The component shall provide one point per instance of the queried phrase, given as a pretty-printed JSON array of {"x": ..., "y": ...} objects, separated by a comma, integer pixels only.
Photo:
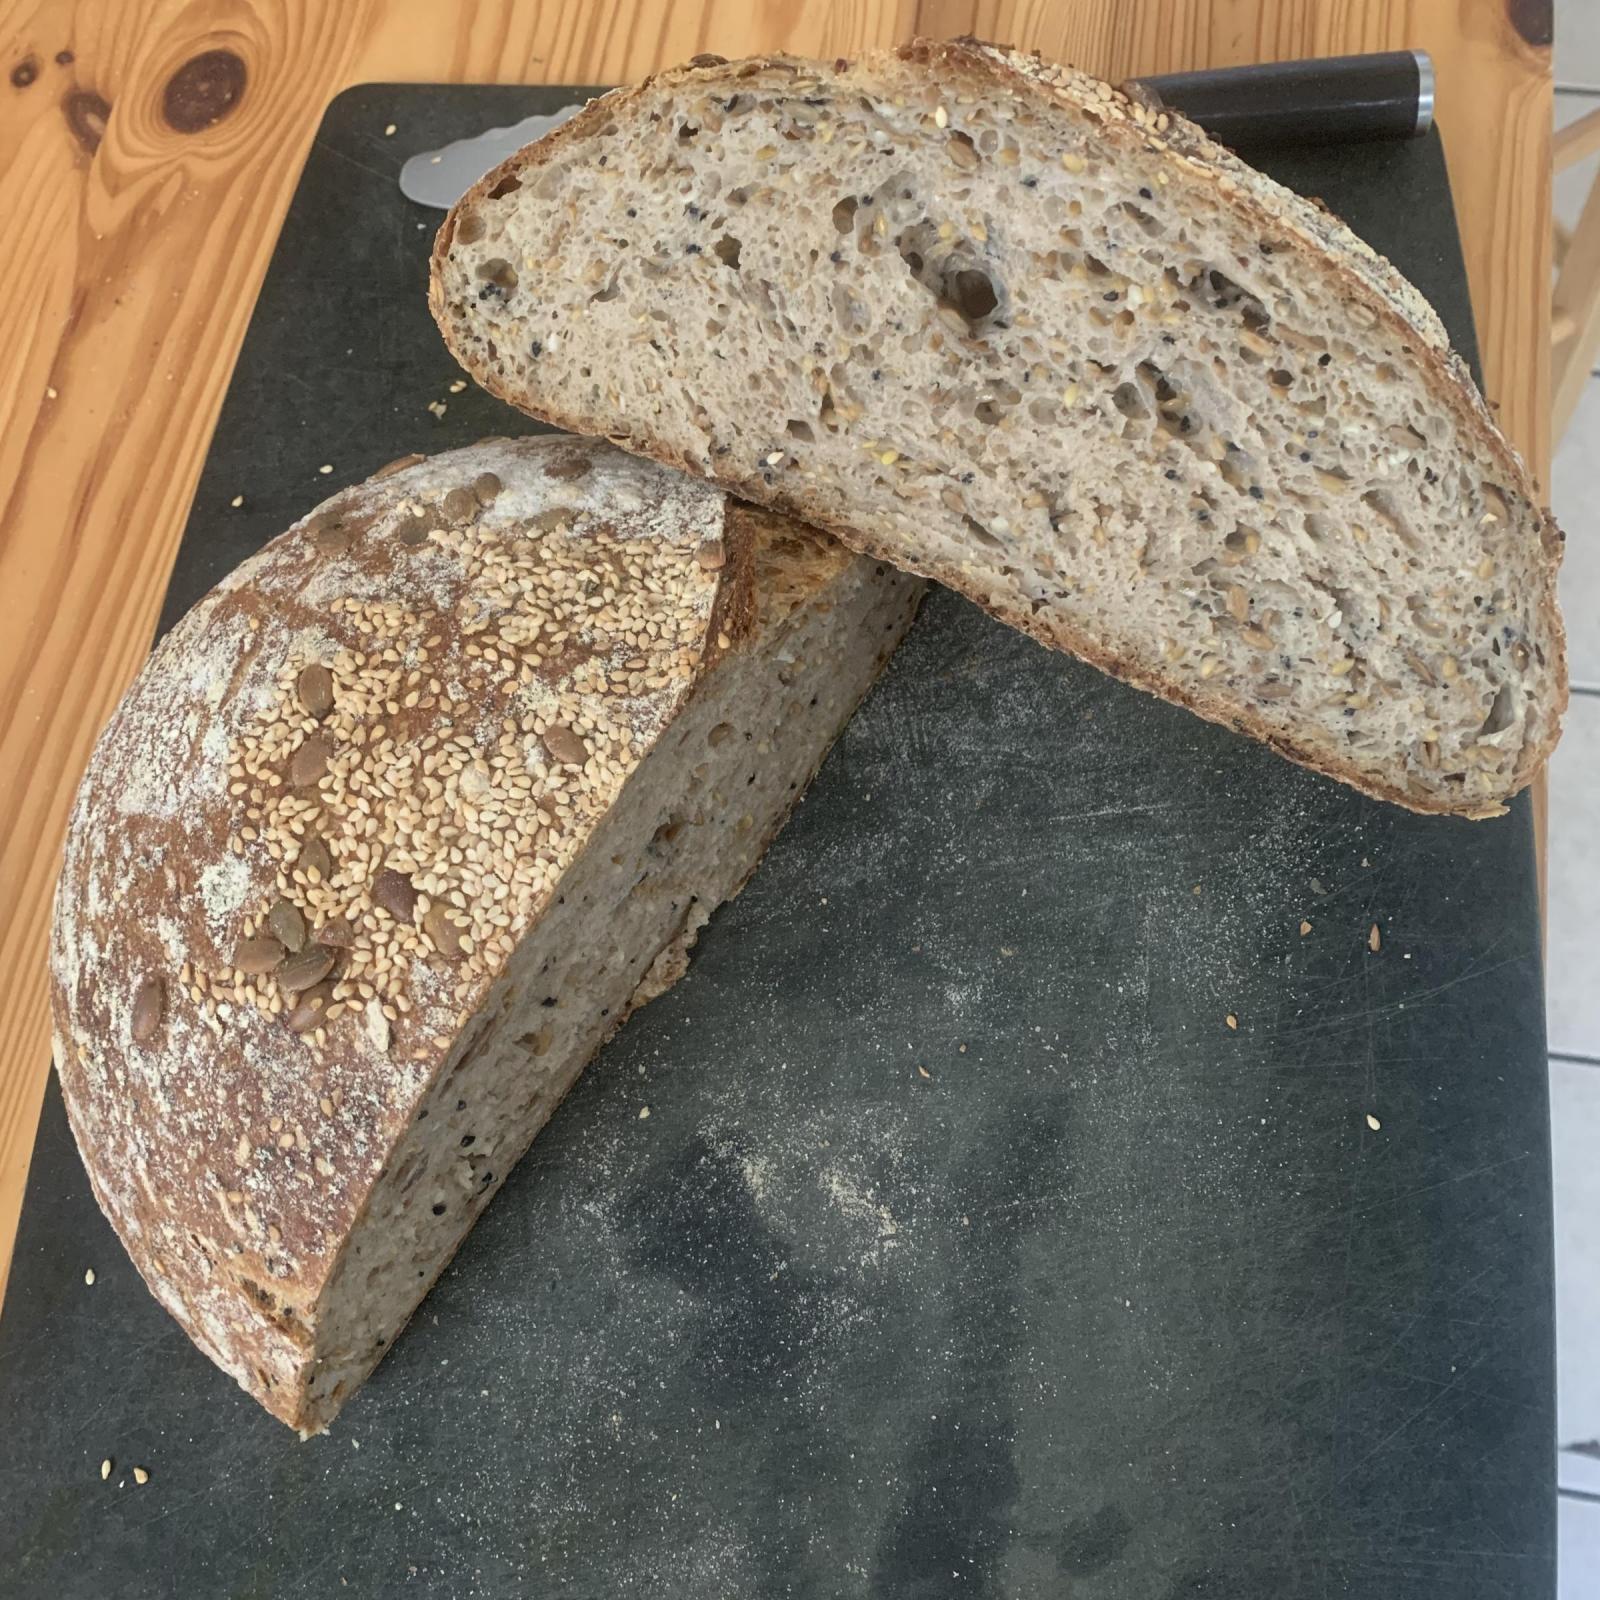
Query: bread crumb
[
  {"x": 1305, "y": 928},
  {"x": 644, "y": 1111},
  {"x": 1373, "y": 1123},
  {"x": 1232, "y": 1021}
]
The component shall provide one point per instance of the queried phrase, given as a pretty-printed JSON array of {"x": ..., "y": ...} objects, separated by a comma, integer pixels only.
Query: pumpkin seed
[
  {"x": 306, "y": 970},
  {"x": 567, "y": 468},
  {"x": 255, "y": 956},
  {"x": 314, "y": 689},
  {"x": 337, "y": 934},
  {"x": 393, "y": 891},
  {"x": 445, "y": 934},
  {"x": 316, "y": 857},
  {"x": 565, "y": 746},
  {"x": 288, "y": 925},
  {"x": 149, "y": 1006},
  {"x": 486, "y": 486},
  {"x": 712, "y": 556},
  {"x": 310, "y": 761},
  {"x": 310, "y": 1008}
]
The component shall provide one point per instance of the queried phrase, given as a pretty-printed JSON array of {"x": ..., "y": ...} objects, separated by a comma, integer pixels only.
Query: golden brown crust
[
  {"x": 232, "y": 1154},
  {"x": 1326, "y": 245}
]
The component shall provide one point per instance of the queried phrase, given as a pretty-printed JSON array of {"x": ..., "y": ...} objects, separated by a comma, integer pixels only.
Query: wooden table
[{"x": 148, "y": 151}]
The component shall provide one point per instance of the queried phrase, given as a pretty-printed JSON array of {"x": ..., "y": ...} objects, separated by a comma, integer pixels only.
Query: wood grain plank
[{"x": 132, "y": 277}]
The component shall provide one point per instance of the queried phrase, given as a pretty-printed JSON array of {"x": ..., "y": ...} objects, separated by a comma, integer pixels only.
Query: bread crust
[
  {"x": 233, "y": 1158},
  {"x": 1325, "y": 247}
]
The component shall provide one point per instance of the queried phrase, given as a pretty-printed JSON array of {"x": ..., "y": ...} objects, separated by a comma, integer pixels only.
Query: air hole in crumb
[
  {"x": 844, "y": 214},
  {"x": 1501, "y": 713},
  {"x": 800, "y": 430},
  {"x": 507, "y": 185},
  {"x": 982, "y": 534},
  {"x": 727, "y": 250}
]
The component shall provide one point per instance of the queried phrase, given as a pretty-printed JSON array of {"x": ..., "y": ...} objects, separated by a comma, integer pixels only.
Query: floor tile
[
  {"x": 1577, "y": 49},
  {"x": 1575, "y": 1141},
  {"x": 1579, "y": 1550},
  {"x": 1575, "y": 498}
]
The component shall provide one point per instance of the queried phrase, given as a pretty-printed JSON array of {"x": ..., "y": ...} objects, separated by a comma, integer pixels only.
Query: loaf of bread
[
  {"x": 393, "y": 831},
  {"x": 1006, "y": 326}
]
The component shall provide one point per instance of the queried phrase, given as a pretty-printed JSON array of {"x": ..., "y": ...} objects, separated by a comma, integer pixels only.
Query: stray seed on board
[
  {"x": 1373, "y": 1123},
  {"x": 1232, "y": 1021},
  {"x": 88, "y": 1277},
  {"x": 1374, "y": 939},
  {"x": 105, "y": 1469}
]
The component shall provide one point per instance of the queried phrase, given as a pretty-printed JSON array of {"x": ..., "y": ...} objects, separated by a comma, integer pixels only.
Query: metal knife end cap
[{"x": 1424, "y": 90}]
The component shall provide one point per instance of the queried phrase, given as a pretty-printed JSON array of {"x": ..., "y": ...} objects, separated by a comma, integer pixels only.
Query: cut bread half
[
  {"x": 391, "y": 834},
  {"x": 1005, "y": 326}
]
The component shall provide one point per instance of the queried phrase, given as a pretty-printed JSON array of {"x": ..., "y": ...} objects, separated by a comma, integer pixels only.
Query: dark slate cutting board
[{"x": 965, "y": 1250}]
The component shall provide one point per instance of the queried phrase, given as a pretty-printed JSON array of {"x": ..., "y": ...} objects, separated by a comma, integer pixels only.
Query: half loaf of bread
[
  {"x": 393, "y": 831},
  {"x": 1006, "y": 326}
]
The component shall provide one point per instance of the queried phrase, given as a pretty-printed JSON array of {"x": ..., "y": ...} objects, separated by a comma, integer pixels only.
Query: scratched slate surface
[{"x": 965, "y": 1250}]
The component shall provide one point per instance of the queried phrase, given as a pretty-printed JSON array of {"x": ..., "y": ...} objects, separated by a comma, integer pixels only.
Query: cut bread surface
[
  {"x": 395, "y": 828},
  {"x": 1005, "y": 327}
]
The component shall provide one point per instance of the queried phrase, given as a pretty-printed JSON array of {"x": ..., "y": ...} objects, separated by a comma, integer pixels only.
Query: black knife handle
[{"x": 1337, "y": 100}]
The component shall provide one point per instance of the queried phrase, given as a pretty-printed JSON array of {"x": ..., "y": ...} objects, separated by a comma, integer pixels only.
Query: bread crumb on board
[
  {"x": 437, "y": 407},
  {"x": 1305, "y": 928}
]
